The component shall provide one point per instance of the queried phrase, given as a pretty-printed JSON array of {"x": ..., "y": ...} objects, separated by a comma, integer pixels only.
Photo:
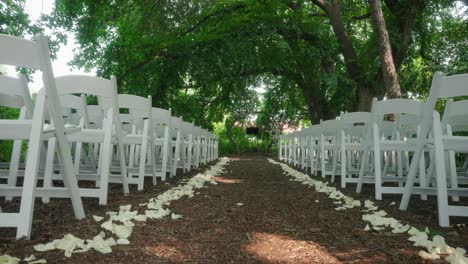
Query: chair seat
[
  {"x": 15, "y": 129},
  {"x": 21, "y": 129},
  {"x": 132, "y": 139},
  {"x": 355, "y": 146},
  {"x": 49, "y": 130},
  {"x": 397, "y": 145},
  {"x": 87, "y": 135},
  {"x": 456, "y": 143}
]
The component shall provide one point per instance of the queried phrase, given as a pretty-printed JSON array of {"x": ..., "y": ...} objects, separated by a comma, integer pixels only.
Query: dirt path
[{"x": 279, "y": 221}]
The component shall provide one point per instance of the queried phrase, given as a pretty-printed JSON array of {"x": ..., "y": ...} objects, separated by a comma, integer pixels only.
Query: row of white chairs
[
  {"x": 401, "y": 147},
  {"x": 76, "y": 148}
]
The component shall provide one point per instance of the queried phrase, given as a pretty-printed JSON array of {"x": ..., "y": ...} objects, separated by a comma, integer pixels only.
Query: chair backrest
[
  {"x": 188, "y": 128},
  {"x": 36, "y": 55},
  {"x": 442, "y": 87},
  {"x": 139, "y": 108},
  {"x": 456, "y": 115},
  {"x": 407, "y": 124},
  {"x": 176, "y": 122},
  {"x": 14, "y": 93},
  {"x": 356, "y": 123},
  {"x": 104, "y": 89},
  {"x": 447, "y": 86},
  {"x": 315, "y": 130},
  {"x": 127, "y": 122},
  {"x": 73, "y": 108},
  {"x": 136, "y": 105},
  {"x": 161, "y": 116},
  {"x": 84, "y": 84},
  {"x": 94, "y": 116},
  {"x": 331, "y": 127},
  {"x": 89, "y": 85},
  {"x": 23, "y": 53},
  {"x": 356, "y": 117},
  {"x": 396, "y": 106},
  {"x": 32, "y": 55},
  {"x": 306, "y": 131},
  {"x": 176, "y": 125}
]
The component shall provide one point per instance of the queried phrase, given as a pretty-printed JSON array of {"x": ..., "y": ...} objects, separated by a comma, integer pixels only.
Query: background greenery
[{"x": 204, "y": 58}]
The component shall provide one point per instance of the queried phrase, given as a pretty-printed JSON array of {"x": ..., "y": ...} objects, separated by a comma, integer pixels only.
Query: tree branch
[
  {"x": 200, "y": 22},
  {"x": 192, "y": 28},
  {"x": 359, "y": 17},
  {"x": 320, "y": 3}
]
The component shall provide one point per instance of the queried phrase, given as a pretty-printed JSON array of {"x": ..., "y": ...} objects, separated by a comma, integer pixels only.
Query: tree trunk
[
  {"x": 390, "y": 76},
  {"x": 364, "y": 92},
  {"x": 158, "y": 95},
  {"x": 314, "y": 103}
]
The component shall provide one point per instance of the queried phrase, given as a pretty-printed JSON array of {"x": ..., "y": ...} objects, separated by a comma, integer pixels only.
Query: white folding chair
[
  {"x": 330, "y": 146},
  {"x": 73, "y": 108},
  {"x": 15, "y": 94},
  {"x": 187, "y": 157},
  {"x": 455, "y": 121},
  {"x": 314, "y": 133},
  {"x": 197, "y": 145},
  {"x": 110, "y": 132},
  {"x": 141, "y": 135},
  {"x": 175, "y": 144},
  {"x": 161, "y": 141},
  {"x": 443, "y": 143},
  {"x": 35, "y": 55},
  {"x": 280, "y": 148},
  {"x": 353, "y": 144},
  {"x": 386, "y": 139}
]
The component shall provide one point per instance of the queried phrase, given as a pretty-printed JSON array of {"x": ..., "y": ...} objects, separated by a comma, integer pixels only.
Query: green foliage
[
  {"x": 7, "y": 145},
  {"x": 238, "y": 134},
  {"x": 283, "y": 107},
  {"x": 246, "y": 143},
  {"x": 202, "y": 58},
  {"x": 214, "y": 48}
]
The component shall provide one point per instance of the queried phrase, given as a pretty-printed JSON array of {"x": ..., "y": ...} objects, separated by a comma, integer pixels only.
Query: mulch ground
[{"x": 280, "y": 221}]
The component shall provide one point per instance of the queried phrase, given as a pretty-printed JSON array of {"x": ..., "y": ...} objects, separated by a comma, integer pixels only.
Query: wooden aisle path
[{"x": 254, "y": 215}]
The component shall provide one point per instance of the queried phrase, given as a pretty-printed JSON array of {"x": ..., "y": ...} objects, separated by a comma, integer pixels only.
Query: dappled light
[
  {"x": 164, "y": 251},
  {"x": 226, "y": 180},
  {"x": 274, "y": 248}
]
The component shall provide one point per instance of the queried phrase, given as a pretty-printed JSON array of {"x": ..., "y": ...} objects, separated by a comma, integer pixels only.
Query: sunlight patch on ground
[
  {"x": 226, "y": 180},
  {"x": 274, "y": 248},
  {"x": 165, "y": 251}
]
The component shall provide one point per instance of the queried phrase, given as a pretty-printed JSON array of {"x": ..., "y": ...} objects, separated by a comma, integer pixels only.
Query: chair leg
[
  {"x": 452, "y": 169},
  {"x": 106, "y": 162},
  {"x": 422, "y": 175},
  {"x": 377, "y": 167},
  {"x": 78, "y": 149},
  {"x": 334, "y": 163},
  {"x": 143, "y": 153},
  {"x": 49, "y": 167},
  {"x": 442, "y": 198},
  {"x": 343, "y": 165},
  {"x": 362, "y": 168},
  {"x": 165, "y": 154},
  {"x": 14, "y": 166},
  {"x": 322, "y": 156},
  {"x": 176, "y": 155},
  {"x": 152, "y": 161}
]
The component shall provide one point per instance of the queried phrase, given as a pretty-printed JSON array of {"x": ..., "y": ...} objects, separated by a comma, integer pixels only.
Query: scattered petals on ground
[
  {"x": 379, "y": 220},
  {"x": 120, "y": 223}
]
